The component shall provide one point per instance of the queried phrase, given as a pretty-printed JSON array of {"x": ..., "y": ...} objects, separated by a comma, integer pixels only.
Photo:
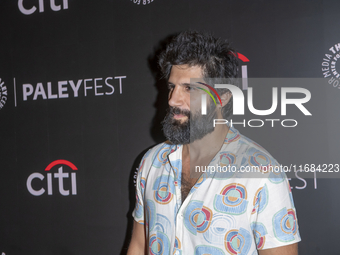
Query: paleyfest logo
[
  {"x": 238, "y": 105},
  {"x": 329, "y": 66},
  {"x": 71, "y": 88}
]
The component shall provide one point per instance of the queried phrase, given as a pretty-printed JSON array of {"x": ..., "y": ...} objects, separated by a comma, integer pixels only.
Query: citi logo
[
  {"x": 24, "y": 8},
  {"x": 35, "y": 181}
]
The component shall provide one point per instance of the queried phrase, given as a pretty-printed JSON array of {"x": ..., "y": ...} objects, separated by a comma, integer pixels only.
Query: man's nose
[{"x": 176, "y": 96}]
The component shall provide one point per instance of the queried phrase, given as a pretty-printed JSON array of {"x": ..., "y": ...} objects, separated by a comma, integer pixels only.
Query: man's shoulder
[
  {"x": 161, "y": 149},
  {"x": 158, "y": 154},
  {"x": 252, "y": 145},
  {"x": 250, "y": 151}
]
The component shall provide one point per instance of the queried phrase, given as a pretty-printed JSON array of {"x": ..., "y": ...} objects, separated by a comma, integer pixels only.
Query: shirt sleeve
[
  {"x": 276, "y": 222},
  {"x": 138, "y": 212}
]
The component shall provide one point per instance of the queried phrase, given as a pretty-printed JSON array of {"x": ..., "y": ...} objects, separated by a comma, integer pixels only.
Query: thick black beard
[{"x": 199, "y": 125}]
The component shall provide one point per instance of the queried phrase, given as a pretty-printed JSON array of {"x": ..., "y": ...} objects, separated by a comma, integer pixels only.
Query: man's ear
[{"x": 225, "y": 98}]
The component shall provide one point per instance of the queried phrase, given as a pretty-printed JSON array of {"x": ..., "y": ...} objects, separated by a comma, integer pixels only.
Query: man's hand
[
  {"x": 137, "y": 244},
  {"x": 291, "y": 249}
]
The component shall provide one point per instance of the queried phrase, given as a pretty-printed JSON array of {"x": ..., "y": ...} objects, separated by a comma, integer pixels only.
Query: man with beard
[{"x": 180, "y": 210}]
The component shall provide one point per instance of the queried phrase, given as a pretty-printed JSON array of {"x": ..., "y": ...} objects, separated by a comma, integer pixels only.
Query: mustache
[{"x": 176, "y": 110}]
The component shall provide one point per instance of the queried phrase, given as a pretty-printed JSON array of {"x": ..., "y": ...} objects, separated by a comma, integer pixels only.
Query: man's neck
[{"x": 201, "y": 152}]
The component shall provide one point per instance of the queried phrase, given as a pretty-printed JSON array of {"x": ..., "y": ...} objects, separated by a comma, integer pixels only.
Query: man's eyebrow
[{"x": 183, "y": 84}]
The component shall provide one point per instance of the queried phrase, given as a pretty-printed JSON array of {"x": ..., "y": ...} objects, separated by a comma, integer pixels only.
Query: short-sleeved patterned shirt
[{"x": 229, "y": 215}]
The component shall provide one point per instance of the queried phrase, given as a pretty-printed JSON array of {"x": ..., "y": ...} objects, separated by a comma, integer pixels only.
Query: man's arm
[
  {"x": 291, "y": 249},
  {"x": 137, "y": 244}
]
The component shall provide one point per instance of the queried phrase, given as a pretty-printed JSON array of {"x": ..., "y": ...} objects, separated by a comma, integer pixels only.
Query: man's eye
[
  {"x": 189, "y": 88},
  {"x": 171, "y": 86}
]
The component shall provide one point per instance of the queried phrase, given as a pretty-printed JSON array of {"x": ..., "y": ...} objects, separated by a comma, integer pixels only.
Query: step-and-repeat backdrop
[{"x": 81, "y": 101}]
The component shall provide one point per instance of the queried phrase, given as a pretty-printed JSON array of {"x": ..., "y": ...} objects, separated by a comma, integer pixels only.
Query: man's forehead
[
  {"x": 181, "y": 74},
  {"x": 186, "y": 67}
]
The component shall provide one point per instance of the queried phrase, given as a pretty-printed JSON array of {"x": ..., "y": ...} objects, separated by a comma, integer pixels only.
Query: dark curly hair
[{"x": 214, "y": 55}]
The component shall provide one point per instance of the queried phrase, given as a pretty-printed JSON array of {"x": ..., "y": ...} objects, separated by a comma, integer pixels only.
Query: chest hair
[{"x": 186, "y": 184}]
